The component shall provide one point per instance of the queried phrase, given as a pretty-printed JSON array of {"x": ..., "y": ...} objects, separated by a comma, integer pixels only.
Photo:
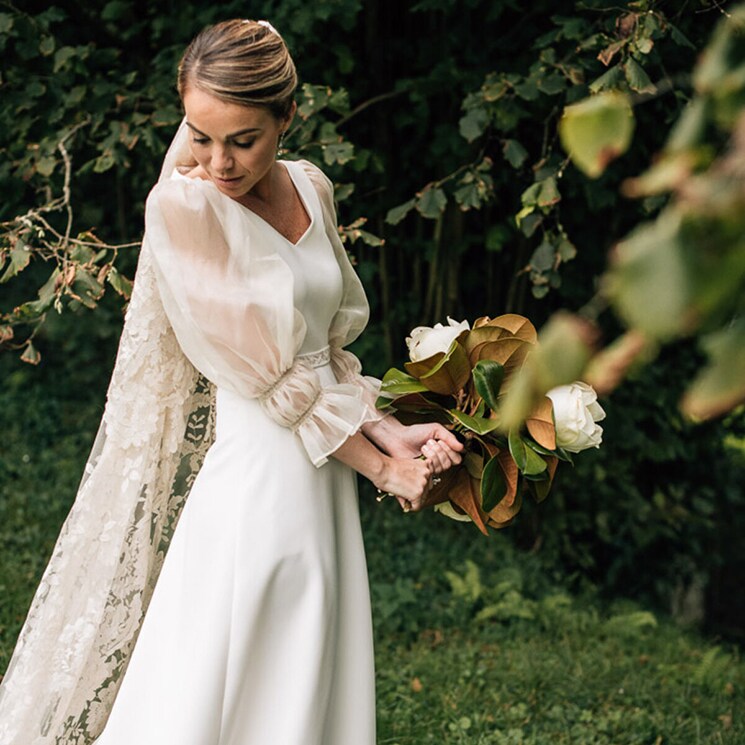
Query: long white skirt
[{"x": 259, "y": 629}]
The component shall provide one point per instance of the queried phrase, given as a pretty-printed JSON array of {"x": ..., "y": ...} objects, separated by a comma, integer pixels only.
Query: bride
[{"x": 238, "y": 616}]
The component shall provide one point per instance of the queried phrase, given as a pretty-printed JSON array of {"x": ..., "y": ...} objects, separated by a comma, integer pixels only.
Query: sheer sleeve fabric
[
  {"x": 230, "y": 302},
  {"x": 353, "y": 312}
]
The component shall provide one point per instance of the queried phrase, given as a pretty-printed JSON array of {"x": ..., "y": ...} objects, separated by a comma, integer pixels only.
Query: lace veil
[{"x": 156, "y": 429}]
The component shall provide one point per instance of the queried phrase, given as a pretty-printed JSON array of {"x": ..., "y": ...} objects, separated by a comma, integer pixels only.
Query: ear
[{"x": 287, "y": 121}]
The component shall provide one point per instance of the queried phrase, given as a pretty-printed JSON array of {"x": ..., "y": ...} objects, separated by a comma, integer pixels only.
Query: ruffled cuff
[
  {"x": 323, "y": 417},
  {"x": 348, "y": 369}
]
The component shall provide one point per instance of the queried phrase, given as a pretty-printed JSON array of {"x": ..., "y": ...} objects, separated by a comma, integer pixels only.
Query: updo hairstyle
[{"x": 243, "y": 62}]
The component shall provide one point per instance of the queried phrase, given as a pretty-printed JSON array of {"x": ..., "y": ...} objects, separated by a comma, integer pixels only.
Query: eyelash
[{"x": 205, "y": 140}]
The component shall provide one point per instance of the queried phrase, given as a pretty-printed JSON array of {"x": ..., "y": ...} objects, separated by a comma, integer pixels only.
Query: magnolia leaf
[
  {"x": 396, "y": 214},
  {"x": 431, "y": 202},
  {"x": 487, "y": 378},
  {"x": 564, "y": 347},
  {"x": 637, "y": 78},
  {"x": 540, "y": 424},
  {"x": 479, "y": 425},
  {"x": 465, "y": 494},
  {"x": 519, "y": 326},
  {"x": 720, "y": 386},
  {"x": 517, "y": 449},
  {"x": 527, "y": 460},
  {"x": 493, "y": 485},
  {"x": 448, "y": 375},
  {"x": 541, "y": 488},
  {"x": 416, "y": 403},
  {"x": 338, "y": 152},
  {"x": 508, "y": 507},
  {"x": 597, "y": 130},
  {"x": 474, "y": 463},
  {"x": 396, "y": 382},
  {"x": 509, "y": 352}
]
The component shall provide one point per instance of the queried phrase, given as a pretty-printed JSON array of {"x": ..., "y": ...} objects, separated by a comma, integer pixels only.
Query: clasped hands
[{"x": 419, "y": 453}]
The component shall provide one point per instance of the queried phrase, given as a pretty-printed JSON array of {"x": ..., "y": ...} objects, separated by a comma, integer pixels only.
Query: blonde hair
[{"x": 243, "y": 62}]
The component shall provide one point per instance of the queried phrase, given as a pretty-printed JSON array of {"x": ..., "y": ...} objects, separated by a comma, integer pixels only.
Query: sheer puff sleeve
[
  {"x": 353, "y": 312},
  {"x": 230, "y": 302}
]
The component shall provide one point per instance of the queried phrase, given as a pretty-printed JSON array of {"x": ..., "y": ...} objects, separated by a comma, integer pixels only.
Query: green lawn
[{"x": 476, "y": 642}]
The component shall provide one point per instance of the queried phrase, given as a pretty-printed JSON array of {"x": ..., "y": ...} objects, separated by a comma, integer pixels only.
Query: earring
[{"x": 280, "y": 144}]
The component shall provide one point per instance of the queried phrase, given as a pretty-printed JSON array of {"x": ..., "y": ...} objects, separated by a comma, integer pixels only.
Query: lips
[{"x": 227, "y": 181}]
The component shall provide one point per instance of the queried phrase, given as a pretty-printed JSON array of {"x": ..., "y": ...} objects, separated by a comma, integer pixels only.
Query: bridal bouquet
[{"x": 457, "y": 376}]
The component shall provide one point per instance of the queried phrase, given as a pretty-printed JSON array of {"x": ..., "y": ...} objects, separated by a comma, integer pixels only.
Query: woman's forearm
[{"x": 359, "y": 453}]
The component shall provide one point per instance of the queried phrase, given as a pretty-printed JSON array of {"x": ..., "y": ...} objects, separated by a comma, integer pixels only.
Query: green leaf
[
  {"x": 119, "y": 282},
  {"x": 597, "y": 130},
  {"x": 493, "y": 485},
  {"x": 517, "y": 449},
  {"x": 397, "y": 383},
  {"x": 338, "y": 152},
  {"x": 431, "y": 202},
  {"x": 396, "y": 214},
  {"x": 487, "y": 377},
  {"x": 20, "y": 256},
  {"x": 514, "y": 153},
  {"x": 527, "y": 460},
  {"x": 31, "y": 355},
  {"x": 479, "y": 425},
  {"x": 473, "y": 124},
  {"x": 637, "y": 78},
  {"x": 720, "y": 386},
  {"x": 609, "y": 80}
]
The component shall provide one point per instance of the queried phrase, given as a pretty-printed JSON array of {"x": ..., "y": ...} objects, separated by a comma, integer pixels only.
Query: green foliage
[{"x": 404, "y": 110}]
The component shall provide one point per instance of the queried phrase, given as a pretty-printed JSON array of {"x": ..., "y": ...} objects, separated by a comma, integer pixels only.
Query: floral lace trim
[{"x": 317, "y": 359}]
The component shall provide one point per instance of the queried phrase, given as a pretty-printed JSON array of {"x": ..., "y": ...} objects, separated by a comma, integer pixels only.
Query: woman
[{"x": 258, "y": 630}]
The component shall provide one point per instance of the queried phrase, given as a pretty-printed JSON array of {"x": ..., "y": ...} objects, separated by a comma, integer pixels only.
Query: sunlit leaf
[
  {"x": 479, "y": 425},
  {"x": 720, "y": 386},
  {"x": 396, "y": 382},
  {"x": 597, "y": 130}
]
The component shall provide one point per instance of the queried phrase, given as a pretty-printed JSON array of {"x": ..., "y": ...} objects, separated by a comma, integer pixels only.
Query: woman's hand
[
  {"x": 408, "y": 479},
  {"x": 438, "y": 445}
]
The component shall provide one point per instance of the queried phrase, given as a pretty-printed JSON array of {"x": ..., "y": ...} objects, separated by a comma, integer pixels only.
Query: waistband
[{"x": 317, "y": 359}]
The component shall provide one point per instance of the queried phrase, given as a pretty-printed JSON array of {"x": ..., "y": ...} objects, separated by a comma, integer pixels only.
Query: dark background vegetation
[{"x": 657, "y": 513}]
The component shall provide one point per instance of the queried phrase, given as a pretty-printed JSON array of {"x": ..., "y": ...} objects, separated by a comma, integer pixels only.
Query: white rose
[
  {"x": 425, "y": 341},
  {"x": 576, "y": 413}
]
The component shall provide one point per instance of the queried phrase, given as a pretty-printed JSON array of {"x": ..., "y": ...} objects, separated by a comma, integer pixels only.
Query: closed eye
[
  {"x": 200, "y": 140},
  {"x": 244, "y": 144}
]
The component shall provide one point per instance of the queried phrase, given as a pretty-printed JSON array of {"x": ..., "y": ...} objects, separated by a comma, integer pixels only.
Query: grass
[{"x": 476, "y": 642}]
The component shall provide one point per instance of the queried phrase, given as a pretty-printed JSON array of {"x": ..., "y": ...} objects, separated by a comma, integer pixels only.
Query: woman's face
[{"x": 235, "y": 145}]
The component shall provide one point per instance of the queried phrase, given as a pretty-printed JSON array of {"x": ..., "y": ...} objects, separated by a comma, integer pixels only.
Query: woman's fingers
[
  {"x": 440, "y": 455},
  {"x": 447, "y": 437}
]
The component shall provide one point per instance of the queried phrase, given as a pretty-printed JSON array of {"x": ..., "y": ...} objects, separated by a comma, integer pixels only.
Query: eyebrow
[{"x": 230, "y": 136}]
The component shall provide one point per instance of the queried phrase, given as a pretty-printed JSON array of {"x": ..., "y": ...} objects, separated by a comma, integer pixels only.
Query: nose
[{"x": 222, "y": 159}]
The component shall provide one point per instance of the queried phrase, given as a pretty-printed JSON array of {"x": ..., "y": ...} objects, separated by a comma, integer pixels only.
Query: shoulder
[
  {"x": 318, "y": 178},
  {"x": 179, "y": 197}
]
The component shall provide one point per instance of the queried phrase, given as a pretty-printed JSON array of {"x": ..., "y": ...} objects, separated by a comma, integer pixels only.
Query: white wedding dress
[{"x": 259, "y": 628}]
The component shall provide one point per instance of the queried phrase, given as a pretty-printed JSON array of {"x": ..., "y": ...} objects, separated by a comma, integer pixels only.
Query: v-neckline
[{"x": 289, "y": 167}]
